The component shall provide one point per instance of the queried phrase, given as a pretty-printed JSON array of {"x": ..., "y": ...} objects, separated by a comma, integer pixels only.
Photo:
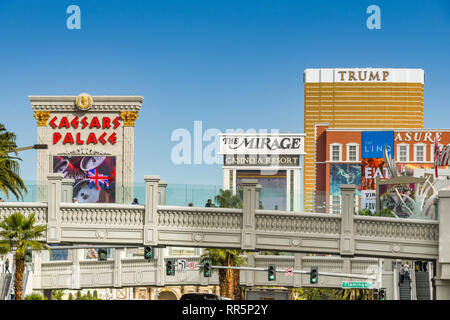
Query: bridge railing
[{"x": 158, "y": 225}]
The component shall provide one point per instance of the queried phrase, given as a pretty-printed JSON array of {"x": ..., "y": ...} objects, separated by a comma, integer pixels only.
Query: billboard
[
  {"x": 273, "y": 188},
  {"x": 94, "y": 176},
  {"x": 372, "y": 169},
  {"x": 344, "y": 173},
  {"x": 373, "y": 143}
]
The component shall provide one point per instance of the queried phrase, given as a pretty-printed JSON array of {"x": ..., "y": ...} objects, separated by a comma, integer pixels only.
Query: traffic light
[
  {"x": 375, "y": 294},
  {"x": 382, "y": 294},
  {"x": 314, "y": 275},
  {"x": 170, "y": 267},
  {"x": 207, "y": 268},
  {"x": 149, "y": 253},
  {"x": 102, "y": 254},
  {"x": 271, "y": 272},
  {"x": 28, "y": 256}
]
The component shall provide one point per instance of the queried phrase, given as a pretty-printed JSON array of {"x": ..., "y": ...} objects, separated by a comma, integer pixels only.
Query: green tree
[
  {"x": 95, "y": 295},
  {"x": 70, "y": 296},
  {"x": 226, "y": 199},
  {"x": 21, "y": 233},
  {"x": 78, "y": 295},
  {"x": 228, "y": 278},
  {"x": 10, "y": 180}
]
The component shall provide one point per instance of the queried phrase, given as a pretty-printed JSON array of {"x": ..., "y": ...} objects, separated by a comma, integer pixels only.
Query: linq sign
[{"x": 84, "y": 123}]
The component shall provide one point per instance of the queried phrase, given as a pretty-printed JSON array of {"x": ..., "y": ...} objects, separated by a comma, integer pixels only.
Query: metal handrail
[{"x": 11, "y": 283}]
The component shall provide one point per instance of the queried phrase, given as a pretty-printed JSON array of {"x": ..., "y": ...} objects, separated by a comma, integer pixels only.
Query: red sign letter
[
  {"x": 106, "y": 123},
  {"x": 68, "y": 138},
  {"x": 56, "y": 137},
  {"x": 74, "y": 122},
  {"x": 91, "y": 138},
  {"x": 64, "y": 123},
  {"x": 113, "y": 138},
  {"x": 52, "y": 122},
  {"x": 95, "y": 123}
]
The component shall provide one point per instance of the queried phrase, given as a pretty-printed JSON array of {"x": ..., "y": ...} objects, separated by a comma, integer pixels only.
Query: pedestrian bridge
[{"x": 159, "y": 225}]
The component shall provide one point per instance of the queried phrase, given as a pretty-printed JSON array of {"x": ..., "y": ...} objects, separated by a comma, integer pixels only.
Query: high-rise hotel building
[{"x": 356, "y": 98}]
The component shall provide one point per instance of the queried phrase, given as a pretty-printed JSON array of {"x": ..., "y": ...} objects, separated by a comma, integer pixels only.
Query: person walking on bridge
[
  {"x": 7, "y": 266},
  {"x": 406, "y": 269}
]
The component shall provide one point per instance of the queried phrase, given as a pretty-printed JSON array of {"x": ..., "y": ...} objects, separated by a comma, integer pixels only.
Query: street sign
[
  {"x": 289, "y": 272},
  {"x": 182, "y": 265},
  {"x": 357, "y": 285},
  {"x": 192, "y": 265}
]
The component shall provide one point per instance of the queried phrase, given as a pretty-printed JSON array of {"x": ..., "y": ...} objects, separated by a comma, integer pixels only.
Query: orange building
[
  {"x": 342, "y": 159},
  {"x": 355, "y": 98}
]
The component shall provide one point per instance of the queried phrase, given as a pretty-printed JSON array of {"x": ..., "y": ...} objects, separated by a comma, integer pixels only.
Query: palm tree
[
  {"x": 10, "y": 180},
  {"x": 19, "y": 231},
  {"x": 226, "y": 199},
  {"x": 228, "y": 278}
]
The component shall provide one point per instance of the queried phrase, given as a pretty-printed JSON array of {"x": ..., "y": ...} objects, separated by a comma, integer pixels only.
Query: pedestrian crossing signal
[
  {"x": 375, "y": 294},
  {"x": 207, "y": 268},
  {"x": 149, "y": 253},
  {"x": 271, "y": 272},
  {"x": 102, "y": 254},
  {"x": 314, "y": 275},
  {"x": 170, "y": 267},
  {"x": 382, "y": 294}
]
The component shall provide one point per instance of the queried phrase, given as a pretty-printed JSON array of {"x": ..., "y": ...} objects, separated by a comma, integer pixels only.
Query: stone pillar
[
  {"x": 248, "y": 240},
  {"x": 128, "y": 118},
  {"x": 162, "y": 186},
  {"x": 118, "y": 255},
  {"x": 347, "y": 242},
  {"x": 442, "y": 280},
  {"x": 250, "y": 274},
  {"x": 298, "y": 265},
  {"x": 151, "y": 214},
  {"x": 76, "y": 257},
  {"x": 37, "y": 260},
  {"x": 43, "y": 157},
  {"x": 67, "y": 190},
  {"x": 258, "y": 194},
  {"x": 160, "y": 266},
  {"x": 53, "y": 211}
]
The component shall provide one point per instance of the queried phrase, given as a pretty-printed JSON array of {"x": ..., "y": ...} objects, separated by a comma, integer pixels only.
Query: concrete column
[
  {"x": 258, "y": 194},
  {"x": 43, "y": 159},
  {"x": 67, "y": 190},
  {"x": 37, "y": 260},
  {"x": 53, "y": 212},
  {"x": 298, "y": 265},
  {"x": 160, "y": 266},
  {"x": 151, "y": 214},
  {"x": 442, "y": 280},
  {"x": 76, "y": 257},
  {"x": 248, "y": 240},
  {"x": 119, "y": 253},
  {"x": 128, "y": 162},
  {"x": 250, "y": 274},
  {"x": 347, "y": 243},
  {"x": 162, "y": 186}
]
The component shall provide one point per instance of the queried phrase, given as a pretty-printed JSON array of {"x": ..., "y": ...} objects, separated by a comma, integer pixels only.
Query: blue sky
[{"x": 231, "y": 64}]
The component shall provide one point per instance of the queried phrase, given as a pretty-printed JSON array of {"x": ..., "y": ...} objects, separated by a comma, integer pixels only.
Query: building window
[
  {"x": 335, "y": 152},
  {"x": 403, "y": 152},
  {"x": 420, "y": 152},
  {"x": 352, "y": 152}
]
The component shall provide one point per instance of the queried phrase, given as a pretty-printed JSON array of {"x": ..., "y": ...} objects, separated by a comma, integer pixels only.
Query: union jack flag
[{"x": 98, "y": 179}]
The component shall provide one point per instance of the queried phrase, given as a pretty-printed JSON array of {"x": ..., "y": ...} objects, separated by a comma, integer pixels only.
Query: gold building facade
[{"x": 357, "y": 98}]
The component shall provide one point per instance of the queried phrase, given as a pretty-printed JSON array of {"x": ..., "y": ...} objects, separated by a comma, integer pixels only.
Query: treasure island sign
[{"x": 90, "y": 140}]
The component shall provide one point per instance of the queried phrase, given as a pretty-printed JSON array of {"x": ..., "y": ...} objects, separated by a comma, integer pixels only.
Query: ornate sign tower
[{"x": 91, "y": 140}]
